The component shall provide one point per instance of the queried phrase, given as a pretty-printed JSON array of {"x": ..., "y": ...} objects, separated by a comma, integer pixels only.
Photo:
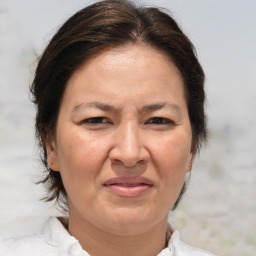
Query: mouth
[{"x": 128, "y": 187}]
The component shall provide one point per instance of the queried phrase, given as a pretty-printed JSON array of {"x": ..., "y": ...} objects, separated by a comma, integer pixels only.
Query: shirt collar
[{"x": 56, "y": 235}]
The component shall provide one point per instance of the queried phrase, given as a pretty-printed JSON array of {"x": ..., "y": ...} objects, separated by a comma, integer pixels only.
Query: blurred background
[{"x": 218, "y": 211}]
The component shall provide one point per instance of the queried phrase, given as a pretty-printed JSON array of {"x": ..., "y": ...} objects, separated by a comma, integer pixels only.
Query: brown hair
[{"x": 111, "y": 23}]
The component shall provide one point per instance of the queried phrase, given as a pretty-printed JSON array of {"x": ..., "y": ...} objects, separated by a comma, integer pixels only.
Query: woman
[{"x": 120, "y": 116}]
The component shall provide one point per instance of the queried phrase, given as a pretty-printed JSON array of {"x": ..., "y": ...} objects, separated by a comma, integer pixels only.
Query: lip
[{"x": 128, "y": 186}]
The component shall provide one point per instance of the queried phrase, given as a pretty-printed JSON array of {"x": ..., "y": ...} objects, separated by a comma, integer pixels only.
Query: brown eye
[
  {"x": 159, "y": 121},
  {"x": 95, "y": 120}
]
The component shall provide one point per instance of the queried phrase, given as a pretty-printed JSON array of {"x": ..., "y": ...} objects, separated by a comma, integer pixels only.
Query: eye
[
  {"x": 159, "y": 121},
  {"x": 96, "y": 121}
]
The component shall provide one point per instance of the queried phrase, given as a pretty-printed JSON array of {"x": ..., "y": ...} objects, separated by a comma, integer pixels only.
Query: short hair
[{"x": 108, "y": 24}]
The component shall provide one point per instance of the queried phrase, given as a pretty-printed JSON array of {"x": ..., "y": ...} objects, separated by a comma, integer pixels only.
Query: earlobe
[
  {"x": 190, "y": 163},
  {"x": 189, "y": 168},
  {"x": 52, "y": 157}
]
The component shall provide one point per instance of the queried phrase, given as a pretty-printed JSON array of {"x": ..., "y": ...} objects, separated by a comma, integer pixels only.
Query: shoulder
[
  {"x": 50, "y": 242},
  {"x": 191, "y": 251},
  {"x": 33, "y": 245},
  {"x": 179, "y": 248}
]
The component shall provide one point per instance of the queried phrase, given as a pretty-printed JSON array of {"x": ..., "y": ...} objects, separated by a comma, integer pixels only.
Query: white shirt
[{"x": 56, "y": 241}]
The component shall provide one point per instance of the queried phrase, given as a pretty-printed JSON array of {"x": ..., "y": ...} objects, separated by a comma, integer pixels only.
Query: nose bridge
[
  {"x": 129, "y": 148},
  {"x": 129, "y": 141}
]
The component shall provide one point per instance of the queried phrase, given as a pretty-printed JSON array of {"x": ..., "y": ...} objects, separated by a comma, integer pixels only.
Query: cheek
[
  {"x": 81, "y": 161},
  {"x": 172, "y": 155},
  {"x": 80, "y": 157}
]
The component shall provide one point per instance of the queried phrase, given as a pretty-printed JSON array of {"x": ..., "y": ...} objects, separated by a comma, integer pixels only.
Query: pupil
[
  {"x": 96, "y": 120},
  {"x": 158, "y": 120}
]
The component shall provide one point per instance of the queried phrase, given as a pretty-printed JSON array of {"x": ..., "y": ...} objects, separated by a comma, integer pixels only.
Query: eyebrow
[
  {"x": 157, "y": 106},
  {"x": 109, "y": 108},
  {"x": 95, "y": 104}
]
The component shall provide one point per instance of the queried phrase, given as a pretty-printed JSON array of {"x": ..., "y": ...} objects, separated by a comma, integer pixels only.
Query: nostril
[
  {"x": 116, "y": 161},
  {"x": 127, "y": 163},
  {"x": 129, "y": 154},
  {"x": 143, "y": 161}
]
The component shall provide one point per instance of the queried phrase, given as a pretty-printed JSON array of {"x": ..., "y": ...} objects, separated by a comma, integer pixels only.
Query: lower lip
[{"x": 126, "y": 191}]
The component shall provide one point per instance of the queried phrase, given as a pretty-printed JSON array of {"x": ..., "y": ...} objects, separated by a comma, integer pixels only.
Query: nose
[{"x": 129, "y": 149}]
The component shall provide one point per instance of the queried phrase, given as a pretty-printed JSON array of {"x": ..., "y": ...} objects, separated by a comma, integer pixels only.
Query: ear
[
  {"x": 52, "y": 157},
  {"x": 190, "y": 162}
]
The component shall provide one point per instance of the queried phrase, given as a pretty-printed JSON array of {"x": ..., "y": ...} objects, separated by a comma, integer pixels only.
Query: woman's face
[{"x": 123, "y": 140}]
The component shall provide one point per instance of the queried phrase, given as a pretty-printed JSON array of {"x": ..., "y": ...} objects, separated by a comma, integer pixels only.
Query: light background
[{"x": 219, "y": 209}]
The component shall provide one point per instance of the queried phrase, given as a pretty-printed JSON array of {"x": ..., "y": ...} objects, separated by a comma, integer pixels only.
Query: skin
[{"x": 123, "y": 114}]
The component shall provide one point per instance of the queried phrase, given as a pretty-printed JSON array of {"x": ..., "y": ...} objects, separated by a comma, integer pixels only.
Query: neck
[{"x": 98, "y": 242}]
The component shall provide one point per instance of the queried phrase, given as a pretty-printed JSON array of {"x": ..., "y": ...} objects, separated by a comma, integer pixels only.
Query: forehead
[
  {"x": 139, "y": 56},
  {"x": 130, "y": 70}
]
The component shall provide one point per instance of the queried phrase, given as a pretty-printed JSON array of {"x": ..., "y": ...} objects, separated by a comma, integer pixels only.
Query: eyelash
[
  {"x": 95, "y": 120},
  {"x": 159, "y": 121},
  {"x": 152, "y": 121}
]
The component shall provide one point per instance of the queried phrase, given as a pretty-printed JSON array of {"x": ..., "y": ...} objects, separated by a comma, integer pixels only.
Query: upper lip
[{"x": 139, "y": 180}]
